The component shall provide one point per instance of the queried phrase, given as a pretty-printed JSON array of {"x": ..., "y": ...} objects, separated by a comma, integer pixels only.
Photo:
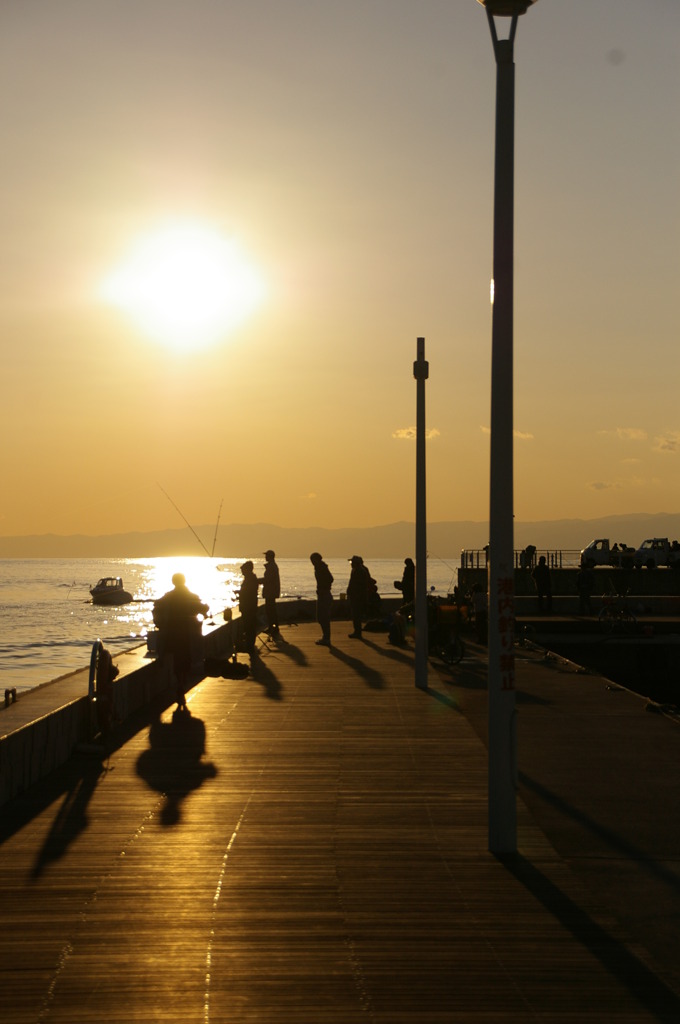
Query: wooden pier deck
[{"x": 310, "y": 846}]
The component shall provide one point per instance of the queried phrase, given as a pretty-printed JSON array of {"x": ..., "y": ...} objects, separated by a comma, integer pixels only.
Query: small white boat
[{"x": 110, "y": 590}]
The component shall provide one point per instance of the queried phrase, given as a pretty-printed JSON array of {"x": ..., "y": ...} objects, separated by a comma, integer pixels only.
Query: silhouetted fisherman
[
  {"x": 541, "y": 576},
  {"x": 247, "y": 605},
  {"x": 407, "y": 584},
  {"x": 271, "y": 590},
  {"x": 324, "y": 597},
  {"x": 176, "y": 615},
  {"x": 358, "y": 595}
]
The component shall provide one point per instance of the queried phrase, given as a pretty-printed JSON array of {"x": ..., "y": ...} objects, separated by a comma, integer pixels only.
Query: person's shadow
[
  {"x": 264, "y": 677},
  {"x": 173, "y": 764},
  {"x": 373, "y": 679},
  {"x": 84, "y": 774}
]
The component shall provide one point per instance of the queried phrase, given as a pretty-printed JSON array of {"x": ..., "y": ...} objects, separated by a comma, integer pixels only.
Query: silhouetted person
[
  {"x": 527, "y": 556},
  {"x": 407, "y": 584},
  {"x": 324, "y": 597},
  {"x": 585, "y": 585},
  {"x": 247, "y": 605},
  {"x": 271, "y": 590},
  {"x": 176, "y": 615},
  {"x": 358, "y": 595},
  {"x": 541, "y": 577},
  {"x": 480, "y": 603}
]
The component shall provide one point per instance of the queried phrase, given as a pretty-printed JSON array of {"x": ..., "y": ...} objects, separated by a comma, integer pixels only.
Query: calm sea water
[{"x": 48, "y": 622}]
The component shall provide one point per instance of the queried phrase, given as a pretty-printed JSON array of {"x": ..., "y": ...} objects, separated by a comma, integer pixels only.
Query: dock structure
[{"x": 309, "y": 845}]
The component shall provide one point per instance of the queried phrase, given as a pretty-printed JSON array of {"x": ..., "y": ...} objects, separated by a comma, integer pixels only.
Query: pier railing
[{"x": 526, "y": 558}]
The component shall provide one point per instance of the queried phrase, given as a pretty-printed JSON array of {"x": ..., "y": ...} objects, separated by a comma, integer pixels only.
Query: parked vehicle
[
  {"x": 599, "y": 552},
  {"x": 658, "y": 551}
]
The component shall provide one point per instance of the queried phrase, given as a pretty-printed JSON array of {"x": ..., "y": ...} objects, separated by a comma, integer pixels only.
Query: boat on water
[{"x": 110, "y": 590}]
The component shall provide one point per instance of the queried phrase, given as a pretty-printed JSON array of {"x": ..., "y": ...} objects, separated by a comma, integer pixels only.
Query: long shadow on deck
[
  {"x": 75, "y": 781},
  {"x": 615, "y": 842},
  {"x": 264, "y": 676},
  {"x": 370, "y": 676},
  {"x": 645, "y": 987},
  {"x": 71, "y": 818}
]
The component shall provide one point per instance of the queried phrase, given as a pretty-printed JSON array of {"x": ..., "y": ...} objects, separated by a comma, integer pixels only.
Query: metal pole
[
  {"x": 502, "y": 725},
  {"x": 421, "y": 372}
]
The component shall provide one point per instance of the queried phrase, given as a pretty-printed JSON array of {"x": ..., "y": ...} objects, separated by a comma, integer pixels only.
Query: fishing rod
[
  {"x": 186, "y": 521},
  {"x": 444, "y": 562},
  {"x": 219, "y": 513}
]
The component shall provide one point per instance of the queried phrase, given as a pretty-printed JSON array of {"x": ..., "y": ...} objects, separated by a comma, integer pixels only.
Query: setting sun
[{"x": 185, "y": 285}]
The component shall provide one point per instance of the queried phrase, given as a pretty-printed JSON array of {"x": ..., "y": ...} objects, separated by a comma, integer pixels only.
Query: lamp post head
[{"x": 506, "y": 8}]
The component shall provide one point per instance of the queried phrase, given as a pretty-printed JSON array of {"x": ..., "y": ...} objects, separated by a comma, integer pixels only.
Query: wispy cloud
[
  {"x": 311, "y": 496},
  {"x": 626, "y": 433},
  {"x": 409, "y": 433},
  {"x": 519, "y": 435},
  {"x": 631, "y": 434},
  {"x": 669, "y": 442},
  {"x": 603, "y": 485}
]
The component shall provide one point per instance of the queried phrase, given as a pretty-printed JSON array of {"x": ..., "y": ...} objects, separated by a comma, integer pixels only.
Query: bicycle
[{"x": 615, "y": 615}]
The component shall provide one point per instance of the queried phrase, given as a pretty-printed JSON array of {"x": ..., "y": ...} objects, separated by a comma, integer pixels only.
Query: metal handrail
[{"x": 557, "y": 558}]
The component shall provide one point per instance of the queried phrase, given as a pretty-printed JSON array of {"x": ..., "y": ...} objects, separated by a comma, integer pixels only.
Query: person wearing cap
[
  {"x": 324, "y": 597},
  {"x": 357, "y": 595},
  {"x": 247, "y": 605},
  {"x": 271, "y": 590},
  {"x": 176, "y": 615}
]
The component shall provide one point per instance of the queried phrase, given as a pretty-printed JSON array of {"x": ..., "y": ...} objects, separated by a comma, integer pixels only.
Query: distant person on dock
[
  {"x": 271, "y": 590},
  {"x": 247, "y": 605},
  {"x": 585, "y": 585},
  {"x": 358, "y": 595},
  {"x": 480, "y": 604},
  {"x": 407, "y": 584},
  {"x": 527, "y": 556},
  {"x": 176, "y": 616},
  {"x": 541, "y": 577},
  {"x": 324, "y": 597}
]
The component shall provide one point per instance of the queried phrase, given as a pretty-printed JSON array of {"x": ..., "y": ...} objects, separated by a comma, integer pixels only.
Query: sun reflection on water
[{"x": 215, "y": 580}]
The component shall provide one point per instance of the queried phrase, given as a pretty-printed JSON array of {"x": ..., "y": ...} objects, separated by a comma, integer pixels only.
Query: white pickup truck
[
  {"x": 599, "y": 552},
  {"x": 657, "y": 551}
]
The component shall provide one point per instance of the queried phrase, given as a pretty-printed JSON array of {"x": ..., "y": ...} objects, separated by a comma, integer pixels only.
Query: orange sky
[{"x": 347, "y": 151}]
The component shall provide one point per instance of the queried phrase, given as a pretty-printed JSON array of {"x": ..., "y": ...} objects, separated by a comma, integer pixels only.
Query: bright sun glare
[{"x": 185, "y": 285}]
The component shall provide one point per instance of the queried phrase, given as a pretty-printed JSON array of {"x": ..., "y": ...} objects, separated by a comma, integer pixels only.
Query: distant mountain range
[{"x": 394, "y": 540}]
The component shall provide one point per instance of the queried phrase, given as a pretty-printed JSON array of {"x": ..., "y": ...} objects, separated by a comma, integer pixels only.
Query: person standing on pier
[
  {"x": 247, "y": 605},
  {"x": 176, "y": 615},
  {"x": 407, "y": 584},
  {"x": 541, "y": 577},
  {"x": 585, "y": 585},
  {"x": 324, "y": 597},
  {"x": 271, "y": 590},
  {"x": 358, "y": 595}
]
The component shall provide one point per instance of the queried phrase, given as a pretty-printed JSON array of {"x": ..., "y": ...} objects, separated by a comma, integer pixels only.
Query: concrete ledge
[{"x": 31, "y": 753}]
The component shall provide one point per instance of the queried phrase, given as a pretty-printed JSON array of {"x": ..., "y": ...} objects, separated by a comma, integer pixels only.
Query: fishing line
[{"x": 444, "y": 562}]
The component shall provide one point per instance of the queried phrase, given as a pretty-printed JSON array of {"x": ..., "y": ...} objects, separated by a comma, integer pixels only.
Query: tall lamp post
[
  {"x": 502, "y": 726},
  {"x": 421, "y": 371}
]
